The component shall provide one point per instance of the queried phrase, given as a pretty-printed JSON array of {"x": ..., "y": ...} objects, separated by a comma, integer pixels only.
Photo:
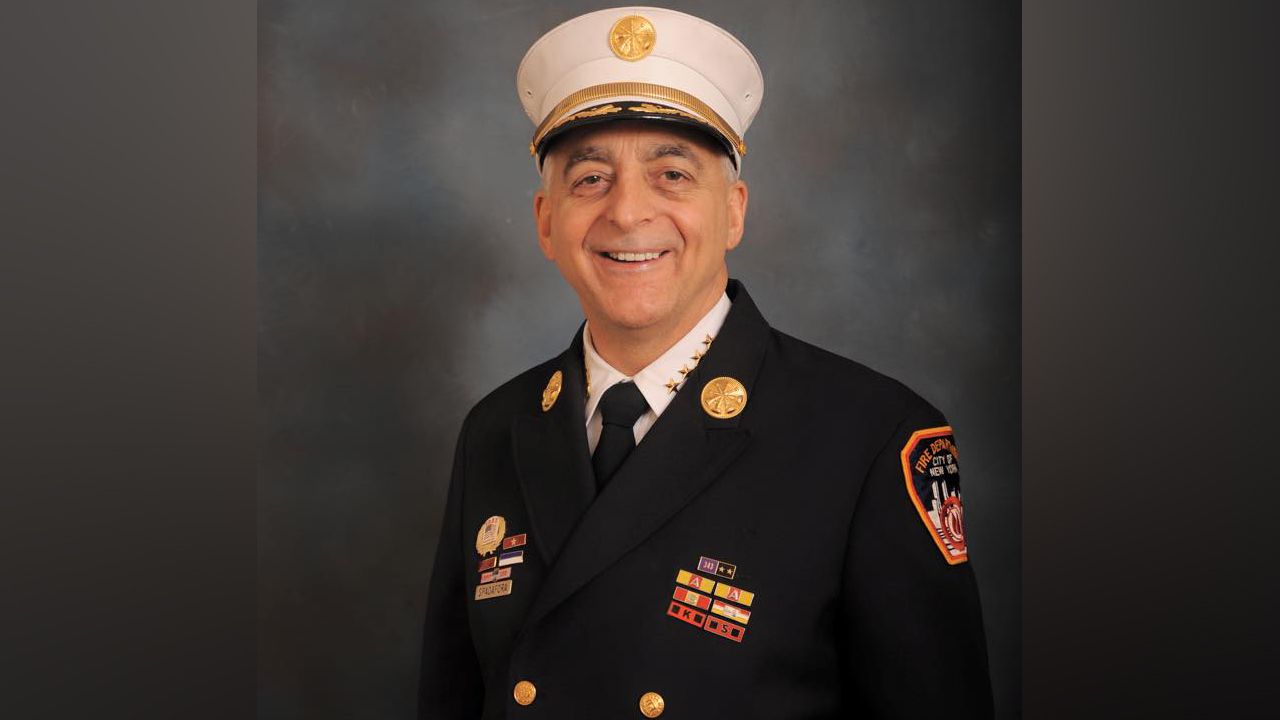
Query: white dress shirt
[{"x": 658, "y": 381}]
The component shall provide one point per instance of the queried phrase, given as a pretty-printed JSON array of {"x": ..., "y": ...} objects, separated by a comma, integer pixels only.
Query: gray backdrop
[{"x": 400, "y": 281}]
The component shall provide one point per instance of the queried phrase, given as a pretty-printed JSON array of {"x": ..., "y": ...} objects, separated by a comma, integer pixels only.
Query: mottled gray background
[{"x": 399, "y": 281}]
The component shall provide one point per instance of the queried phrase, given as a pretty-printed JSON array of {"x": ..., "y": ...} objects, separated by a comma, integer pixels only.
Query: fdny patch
[
  {"x": 687, "y": 614},
  {"x": 931, "y": 465},
  {"x": 697, "y": 582},
  {"x": 724, "y": 629}
]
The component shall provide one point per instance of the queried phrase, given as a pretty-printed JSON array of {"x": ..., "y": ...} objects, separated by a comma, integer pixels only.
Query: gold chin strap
[{"x": 650, "y": 91}]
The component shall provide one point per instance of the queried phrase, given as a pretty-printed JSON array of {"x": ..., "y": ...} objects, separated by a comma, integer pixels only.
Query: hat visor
[{"x": 647, "y": 111}]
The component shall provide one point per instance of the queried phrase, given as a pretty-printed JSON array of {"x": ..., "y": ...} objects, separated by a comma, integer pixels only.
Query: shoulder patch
[{"x": 931, "y": 465}]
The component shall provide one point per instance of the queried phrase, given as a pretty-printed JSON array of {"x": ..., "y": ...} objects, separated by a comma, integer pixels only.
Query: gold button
[
  {"x": 652, "y": 704},
  {"x": 525, "y": 692}
]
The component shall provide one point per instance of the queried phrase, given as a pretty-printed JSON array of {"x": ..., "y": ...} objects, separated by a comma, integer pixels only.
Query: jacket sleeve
[
  {"x": 451, "y": 686},
  {"x": 910, "y": 621}
]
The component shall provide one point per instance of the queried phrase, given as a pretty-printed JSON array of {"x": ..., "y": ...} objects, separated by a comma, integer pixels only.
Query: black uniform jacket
[{"x": 770, "y": 565}]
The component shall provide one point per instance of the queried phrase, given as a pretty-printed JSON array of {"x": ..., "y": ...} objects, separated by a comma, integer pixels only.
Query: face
[{"x": 638, "y": 220}]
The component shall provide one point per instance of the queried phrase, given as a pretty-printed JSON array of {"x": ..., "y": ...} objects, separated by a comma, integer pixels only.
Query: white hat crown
[{"x": 640, "y": 62}]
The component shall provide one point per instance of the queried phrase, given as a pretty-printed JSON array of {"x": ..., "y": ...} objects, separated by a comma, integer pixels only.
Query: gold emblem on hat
[
  {"x": 652, "y": 704},
  {"x": 723, "y": 397},
  {"x": 552, "y": 390},
  {"x": 491, "y": 533},
  {"x": 632, "y": 37}
]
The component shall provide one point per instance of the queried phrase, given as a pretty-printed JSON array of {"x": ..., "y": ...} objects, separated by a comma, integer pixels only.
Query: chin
[{"x": 637, "y": 315}]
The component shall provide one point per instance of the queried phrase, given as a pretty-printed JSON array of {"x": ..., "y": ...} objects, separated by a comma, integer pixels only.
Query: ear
[
  {"x": 542, "y": 218},
  {"x": 737, "y": 213}
]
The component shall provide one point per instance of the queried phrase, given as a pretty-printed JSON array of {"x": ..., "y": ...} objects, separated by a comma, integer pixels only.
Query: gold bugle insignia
[
  {"x": 723, "y": 397},
  {"x": 632, "y": 37}
]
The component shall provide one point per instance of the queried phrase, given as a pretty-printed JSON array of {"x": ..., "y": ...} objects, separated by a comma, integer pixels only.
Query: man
[{"x": 688, "y": 512}]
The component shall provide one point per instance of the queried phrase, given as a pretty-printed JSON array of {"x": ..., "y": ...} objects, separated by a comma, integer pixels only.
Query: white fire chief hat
[{"x": 643, "y": 63}]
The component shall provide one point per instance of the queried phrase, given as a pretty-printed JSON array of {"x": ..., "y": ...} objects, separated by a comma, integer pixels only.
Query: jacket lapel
[
  {"x": 683, "y": 453},
  {"x": 551, "y": 458}
]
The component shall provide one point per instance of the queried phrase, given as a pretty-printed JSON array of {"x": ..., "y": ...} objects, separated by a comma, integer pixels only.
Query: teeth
[{"x": 634, "y": 257}]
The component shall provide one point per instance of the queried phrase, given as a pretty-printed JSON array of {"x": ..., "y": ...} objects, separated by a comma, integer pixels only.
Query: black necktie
[{"x": 620, "y": 407}]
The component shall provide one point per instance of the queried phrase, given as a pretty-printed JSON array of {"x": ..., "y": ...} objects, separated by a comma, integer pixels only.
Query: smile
[{"x": 632, "y": 257}]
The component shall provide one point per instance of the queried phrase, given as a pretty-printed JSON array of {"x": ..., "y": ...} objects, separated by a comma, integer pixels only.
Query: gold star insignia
[
  {"x": 707, "y": 340},
  {"x": 683, "y": 371},
  {"x": 697, "y": 355},
  {"x": 671, "y": 385}
]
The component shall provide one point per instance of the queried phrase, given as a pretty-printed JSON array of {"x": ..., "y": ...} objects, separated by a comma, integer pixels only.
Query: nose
[{"x": 631, "y": 202}]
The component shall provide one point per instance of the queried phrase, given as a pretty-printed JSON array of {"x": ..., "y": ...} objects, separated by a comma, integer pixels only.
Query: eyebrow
[
  {"x": 674, "y": 150},
  {"x": 583, "y": 154}
]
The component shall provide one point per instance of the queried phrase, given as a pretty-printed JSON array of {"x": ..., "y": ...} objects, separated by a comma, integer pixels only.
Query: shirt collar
[{"x": 660, "y": 379}]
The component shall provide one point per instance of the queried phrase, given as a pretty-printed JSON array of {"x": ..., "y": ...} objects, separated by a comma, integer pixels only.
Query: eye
[{"x": 672, "y": 175}]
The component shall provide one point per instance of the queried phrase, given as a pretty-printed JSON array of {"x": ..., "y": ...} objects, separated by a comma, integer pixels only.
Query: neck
[{"x": 630, "y": 350}]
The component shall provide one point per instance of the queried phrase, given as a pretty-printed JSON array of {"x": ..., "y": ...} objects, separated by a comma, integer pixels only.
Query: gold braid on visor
[{"x": 661, "y": 93}]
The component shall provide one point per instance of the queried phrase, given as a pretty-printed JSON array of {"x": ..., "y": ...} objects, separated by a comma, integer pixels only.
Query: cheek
[
  {"x": 571, "y": 226},
  {"x": 703, "y": 228}
]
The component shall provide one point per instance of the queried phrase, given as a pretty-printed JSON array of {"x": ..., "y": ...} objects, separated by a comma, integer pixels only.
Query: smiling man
[
  {"x": 638, "y": 218},
  {"x": 688, "y": 512}
]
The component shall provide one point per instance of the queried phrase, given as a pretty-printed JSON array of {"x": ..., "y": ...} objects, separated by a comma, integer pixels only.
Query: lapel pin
[
  {"x": 733, "y": 594},
  {"x": 723, "y": 397},
  {"x": 716, "y": 567},
  {"x": 490, "y": 535},
  {"x": 552, "y": 390},
  {"x": 687, "y": 614},
  {"x": 493, "y": 589},
  {"x": 697, "y": 582},
  {"x": 732, "y": 612},
  {"x": 724, "y": 629}
]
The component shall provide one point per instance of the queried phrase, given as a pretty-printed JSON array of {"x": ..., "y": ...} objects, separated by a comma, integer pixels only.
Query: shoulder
[{"x": 831, "y": 380}]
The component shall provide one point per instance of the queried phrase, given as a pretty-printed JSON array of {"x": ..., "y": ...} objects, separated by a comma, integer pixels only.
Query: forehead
[{"x": 619, "y": 137}]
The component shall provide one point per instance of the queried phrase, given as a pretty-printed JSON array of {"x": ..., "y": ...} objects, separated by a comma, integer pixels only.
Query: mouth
[{"x": 633, "y": 257}]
